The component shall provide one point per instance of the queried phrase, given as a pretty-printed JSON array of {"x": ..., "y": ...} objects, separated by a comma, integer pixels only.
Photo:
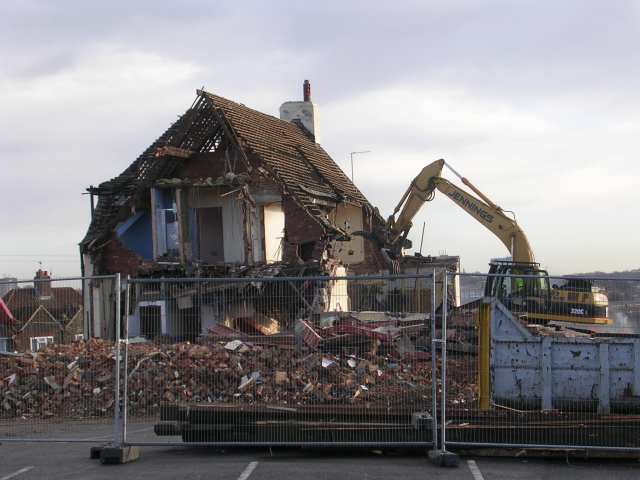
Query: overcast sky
[{"x": 537, "y": 103}]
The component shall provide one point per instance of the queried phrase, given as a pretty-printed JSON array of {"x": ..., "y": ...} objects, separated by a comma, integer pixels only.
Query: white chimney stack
[{"x": 305, "y": 111}]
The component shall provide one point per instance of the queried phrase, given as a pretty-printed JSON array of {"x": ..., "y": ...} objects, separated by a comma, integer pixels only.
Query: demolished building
[{"x": 230, "y": 191}]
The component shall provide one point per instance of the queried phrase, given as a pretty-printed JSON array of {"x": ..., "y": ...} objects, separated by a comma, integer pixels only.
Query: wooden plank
[{"x": 169, "y": 151}]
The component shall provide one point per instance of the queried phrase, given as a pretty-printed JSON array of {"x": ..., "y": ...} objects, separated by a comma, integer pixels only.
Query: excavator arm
[
  {"x": 493, "y": 218},
  {"x": 525, "y": 289},
  {"x": 486, "y": 212}
]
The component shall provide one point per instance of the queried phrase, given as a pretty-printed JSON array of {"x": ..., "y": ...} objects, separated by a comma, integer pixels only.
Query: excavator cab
[
  {"x": 522, "y": 287},
  {"x": 525, "y": 290}
]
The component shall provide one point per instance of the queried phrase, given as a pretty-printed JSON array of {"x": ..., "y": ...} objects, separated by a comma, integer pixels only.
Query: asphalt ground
[{"x": 25, "y": 461}]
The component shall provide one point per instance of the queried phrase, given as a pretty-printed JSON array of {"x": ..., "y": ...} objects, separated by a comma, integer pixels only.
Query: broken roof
[{"x": 281, "y": 150}]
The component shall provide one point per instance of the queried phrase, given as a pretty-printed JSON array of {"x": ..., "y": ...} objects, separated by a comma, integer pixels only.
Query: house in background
[
  {"x": 44, "y": 314},
  {"x": 7, "y": 327}
]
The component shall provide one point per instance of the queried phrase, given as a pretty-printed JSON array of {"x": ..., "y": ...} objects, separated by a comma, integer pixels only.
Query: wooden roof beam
[{"x": 169, "y": 151}]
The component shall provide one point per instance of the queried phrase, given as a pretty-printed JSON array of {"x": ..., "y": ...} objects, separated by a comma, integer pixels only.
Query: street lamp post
[{"x": 356, "y": 153}]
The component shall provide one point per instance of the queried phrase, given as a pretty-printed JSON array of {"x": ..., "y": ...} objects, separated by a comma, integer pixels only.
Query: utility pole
[{"x": 356, "y": 153}]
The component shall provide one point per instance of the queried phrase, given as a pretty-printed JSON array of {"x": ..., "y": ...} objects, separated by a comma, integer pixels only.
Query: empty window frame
[
  {"x": 38, "y": 343},
  {"x": 166, "y": 222}
]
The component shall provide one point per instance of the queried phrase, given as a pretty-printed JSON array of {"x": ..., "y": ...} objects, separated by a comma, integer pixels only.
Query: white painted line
[
  {"x": 475, "y": 471},
  {"x": 97, "y": 439},
  {"x": 140, "y": 430},
  {"x": 244, "y": 475},
  {"x": 15, "y": 474},
  {"x": 109, "y": 436}
]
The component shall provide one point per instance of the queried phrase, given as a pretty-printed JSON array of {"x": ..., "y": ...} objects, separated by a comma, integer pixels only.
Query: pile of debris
[
  {"x": 403, "y": 336},
  {"x": 78, "y": 380},
  {"x": 73, "y": 380}
]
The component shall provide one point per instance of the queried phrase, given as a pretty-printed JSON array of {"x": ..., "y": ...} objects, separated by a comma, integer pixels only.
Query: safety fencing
[
  {"x": 56, "y": 381},
  {"x": 527, "y": 361},
  {"x": 555, "y": 363},
  {"x": 281, "y": 361}
]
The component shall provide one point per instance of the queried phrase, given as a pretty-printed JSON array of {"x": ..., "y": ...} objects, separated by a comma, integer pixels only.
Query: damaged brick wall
[
  {"x": 118, "y": 258},
  {"x": 300, "y": 229}
]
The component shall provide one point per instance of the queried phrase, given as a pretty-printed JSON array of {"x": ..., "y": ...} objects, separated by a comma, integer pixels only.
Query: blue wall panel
[{"x": 135, "y": 234}]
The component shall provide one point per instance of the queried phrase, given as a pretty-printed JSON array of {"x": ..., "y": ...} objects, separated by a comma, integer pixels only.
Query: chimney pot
[
  {"x": 42, "y": 284},
  {"x": 306, "y": 91}
]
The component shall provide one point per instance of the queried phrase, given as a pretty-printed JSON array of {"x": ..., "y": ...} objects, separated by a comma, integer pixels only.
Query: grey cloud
[{"x": 354, "y": 45}]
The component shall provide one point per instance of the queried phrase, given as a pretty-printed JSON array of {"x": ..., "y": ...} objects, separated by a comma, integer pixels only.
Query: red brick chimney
[
  {"x": 306, "y": 91},
  {"x": 42, "y": 283}
]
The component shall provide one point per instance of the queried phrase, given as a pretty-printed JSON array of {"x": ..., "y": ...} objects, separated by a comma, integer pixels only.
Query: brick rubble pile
[{"x": 77, "y": 380}]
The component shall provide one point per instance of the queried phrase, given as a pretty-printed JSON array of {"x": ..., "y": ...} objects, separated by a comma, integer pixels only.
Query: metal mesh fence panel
[
  {"x": 279, "y": 361},
  {"x": 540, "y": 361},
  {"x": 56, "y": 381}
]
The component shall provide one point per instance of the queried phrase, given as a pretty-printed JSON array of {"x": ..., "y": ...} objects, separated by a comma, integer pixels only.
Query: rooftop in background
[{"x": 61, "y": 302}]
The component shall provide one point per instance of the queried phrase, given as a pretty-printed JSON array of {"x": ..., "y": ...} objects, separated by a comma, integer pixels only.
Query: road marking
[
  {"x": 244, "y": 475},
  {"x": 140, "y": 430},
  {"x": 473, "y": 467},
  {"x": 109, "y": 436},
  {"x": 15, "y": 474}
]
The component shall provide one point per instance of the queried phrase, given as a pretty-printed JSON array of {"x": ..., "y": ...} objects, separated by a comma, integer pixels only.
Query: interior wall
[
  {"x": 273, "y": 231},
  {"x": 265, "y": 219},
  {"x": 136, "y": 234},
  {"x": 232, "y": 219},
  {"x": 210, "y": 235},
  {"x": 257, "y": 233},
  {"x": 165, "y": 224},
  {"x": 339, "y": 293},
  {"x": 349, "y": 218}
]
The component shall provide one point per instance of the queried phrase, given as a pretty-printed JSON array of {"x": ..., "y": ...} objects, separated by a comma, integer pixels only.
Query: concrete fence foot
[
  {"x": 443, "y": 458},
  {"x": 94, "y": 453},
  {"x": 109, "y": 455}
]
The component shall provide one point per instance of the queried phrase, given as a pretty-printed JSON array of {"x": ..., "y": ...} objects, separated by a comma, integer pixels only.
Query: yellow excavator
[{"x": 519, "y": 283}]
